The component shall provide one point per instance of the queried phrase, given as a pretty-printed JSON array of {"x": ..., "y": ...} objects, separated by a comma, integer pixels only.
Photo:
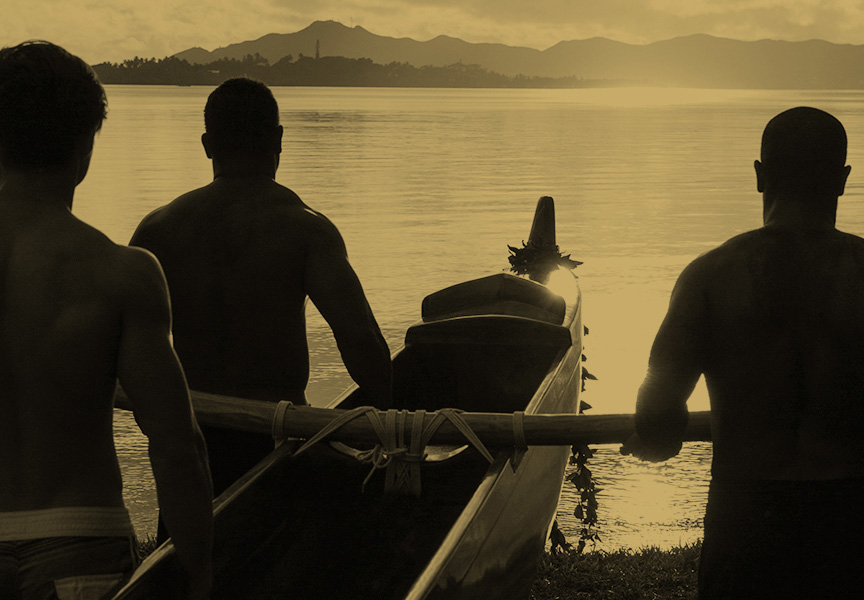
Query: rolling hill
[{"x": 691, "y": 61}]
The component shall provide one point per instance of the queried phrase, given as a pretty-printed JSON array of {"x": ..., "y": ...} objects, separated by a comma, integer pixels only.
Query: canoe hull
[
  {"x": 319, "y": 526},
  {"x": 494, "y": 548}
]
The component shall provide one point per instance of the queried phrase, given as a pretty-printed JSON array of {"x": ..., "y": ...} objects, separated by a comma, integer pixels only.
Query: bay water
[{"x": 429, "y": 186}]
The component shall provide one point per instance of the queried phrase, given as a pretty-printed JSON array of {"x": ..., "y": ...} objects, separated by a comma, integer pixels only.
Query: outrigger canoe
[{"x": 402, "y": 518}]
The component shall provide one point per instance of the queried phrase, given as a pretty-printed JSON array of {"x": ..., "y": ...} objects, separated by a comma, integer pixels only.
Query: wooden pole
[{"x": 493, "y": 429}]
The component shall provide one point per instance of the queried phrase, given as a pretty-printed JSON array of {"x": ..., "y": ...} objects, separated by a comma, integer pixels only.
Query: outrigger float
[{"x": 486, "y": 404}]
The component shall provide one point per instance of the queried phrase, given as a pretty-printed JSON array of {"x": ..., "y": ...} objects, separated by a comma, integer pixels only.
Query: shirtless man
[
  {"x": 241, "y": 256},
  {"x": 774, "y": 319},
  {"x": 77, "y": 313}
]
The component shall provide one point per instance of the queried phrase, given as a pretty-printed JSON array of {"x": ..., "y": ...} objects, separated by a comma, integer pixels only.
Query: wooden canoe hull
[
  {"x": 309, "y": 527},
  {"x": 493, "y": 549}
]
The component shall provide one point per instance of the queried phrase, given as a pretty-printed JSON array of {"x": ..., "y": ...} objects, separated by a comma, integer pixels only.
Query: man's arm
[
  {"x": 674, "y": 367},
  {"x": 335, "y": 289},
  {"x": 151, "y": 376}
]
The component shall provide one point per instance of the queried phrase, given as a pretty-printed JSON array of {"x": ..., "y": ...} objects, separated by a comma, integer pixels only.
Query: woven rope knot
[
  {"x": 379, "y": 458},
  {"x": 401, "y": 460}
]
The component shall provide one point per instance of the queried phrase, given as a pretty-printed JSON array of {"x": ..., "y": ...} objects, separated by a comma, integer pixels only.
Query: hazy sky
[{"x": 99, "y": 30}]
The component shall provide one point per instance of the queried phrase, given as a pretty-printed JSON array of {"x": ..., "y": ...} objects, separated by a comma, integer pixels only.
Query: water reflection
[
  {"x": 139, "y": 492},
  {"x": 643, "y": 504}
]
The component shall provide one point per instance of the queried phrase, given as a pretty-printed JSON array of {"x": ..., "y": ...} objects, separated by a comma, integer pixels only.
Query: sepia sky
[{"x": 112, "y": 30}]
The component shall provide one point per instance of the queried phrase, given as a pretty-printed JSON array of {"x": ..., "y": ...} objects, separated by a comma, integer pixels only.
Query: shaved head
[
  {"x": 240, "y": 116},
  {"x": 803, "y": 147}
]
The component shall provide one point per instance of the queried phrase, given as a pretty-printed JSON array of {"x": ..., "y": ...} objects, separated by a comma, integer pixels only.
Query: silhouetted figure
[
  {"x": 77, "y": 313},
  {"x": 774, "y": 319},
  {"x": 241, "y": 256}
]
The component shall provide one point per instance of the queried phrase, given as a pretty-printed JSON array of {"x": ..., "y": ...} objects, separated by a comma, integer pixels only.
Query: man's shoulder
[
  {"x": 138, "y": 275},
  {"x": 733, "y": 248},
  {"x": 747, "y": 238},
  {"x": 179, "y": 205},
  {"x": 162, "y": 225},
  {"x": 171, "y": 211},
  {"x": 288, "y": 204},
  {"x": 131, "y": 263},
  {"x": 114, "y": 268},
  {"x": 283, "y": 199},
  {"x": 704, "y": 268},
  {"x": 852, "y": 240},
  {"x": 93, "y": 249},
  {"x": 766, "y": 239}
]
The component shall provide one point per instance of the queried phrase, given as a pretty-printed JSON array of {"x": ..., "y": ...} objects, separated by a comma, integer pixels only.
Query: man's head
[
  {"x": 241, "y": 120},
  {"x": 51, "y": 106},
  {"x": 803, "y": 153}
]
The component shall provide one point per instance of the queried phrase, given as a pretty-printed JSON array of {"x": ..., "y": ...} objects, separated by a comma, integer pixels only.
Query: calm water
[{"x": 429, "y": 186}]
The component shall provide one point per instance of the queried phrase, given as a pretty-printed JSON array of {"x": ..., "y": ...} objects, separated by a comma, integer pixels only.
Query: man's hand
[{"x": 634, "y": 446}]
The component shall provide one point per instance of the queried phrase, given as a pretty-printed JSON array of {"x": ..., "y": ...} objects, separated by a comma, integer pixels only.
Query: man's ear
[
  {"x": 760, "y": 176},
  {"x": 842, "y": 183},
  {"x": 277, "y": 139},
  {"x": 83, "y": 156},
  {"x": 205, "y": 141}
]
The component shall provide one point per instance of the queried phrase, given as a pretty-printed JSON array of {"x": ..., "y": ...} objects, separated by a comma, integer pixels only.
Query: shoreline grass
[
  {"x": 146, "y": 545},
  {"x": 649, "y": 574},
  {"x": 646, "y": 574}
]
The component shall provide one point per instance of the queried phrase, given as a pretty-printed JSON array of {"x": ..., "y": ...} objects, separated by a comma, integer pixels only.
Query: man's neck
[
  {"x": 800, "y": 214},
  {"x": 245, "y": 168},
  {"x": 38, "y": 188}
]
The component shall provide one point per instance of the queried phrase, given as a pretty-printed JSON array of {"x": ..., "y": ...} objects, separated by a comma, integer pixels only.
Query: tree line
[{"x": 323, "y": 71}]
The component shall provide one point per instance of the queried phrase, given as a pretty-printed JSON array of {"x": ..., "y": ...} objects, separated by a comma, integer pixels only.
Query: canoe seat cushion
[{"x": 501, "y": 294}]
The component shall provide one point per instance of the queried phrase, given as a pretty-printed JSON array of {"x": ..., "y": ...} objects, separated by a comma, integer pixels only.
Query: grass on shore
[
  {"x": 646, "y": 574},
  {"x": 146, "y": 545}
]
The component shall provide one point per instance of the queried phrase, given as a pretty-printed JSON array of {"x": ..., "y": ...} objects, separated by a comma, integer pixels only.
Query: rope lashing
[
  {"x": 402, "y": 461},
  {"x": 520, "y": 446},
  {"x": 404, "y": 474},
  {"x": 454, "y": 415},
  {"x": 278, "y": 419}
]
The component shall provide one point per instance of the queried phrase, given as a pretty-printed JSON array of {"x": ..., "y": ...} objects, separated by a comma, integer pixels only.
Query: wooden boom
[{"x": 493, "y": 429}]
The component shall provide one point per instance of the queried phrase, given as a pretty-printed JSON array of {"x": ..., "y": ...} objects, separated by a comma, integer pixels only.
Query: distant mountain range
[{"x": 692, "y": 61}]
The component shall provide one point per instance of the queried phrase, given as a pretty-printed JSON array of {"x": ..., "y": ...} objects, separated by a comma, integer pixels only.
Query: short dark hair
[
  {"x": 49, "y": 101},
  {"x": 803, "y": 146},
  {"x": 240, "y": 116}
]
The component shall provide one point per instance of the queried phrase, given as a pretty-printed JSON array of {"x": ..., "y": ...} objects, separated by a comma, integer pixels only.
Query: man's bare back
[
  {"x": 235, "y": 258},
  {"x": 775, "y": 319},
  {"x": 241, "y": 255},
  {"x": 58, "y": 336}
]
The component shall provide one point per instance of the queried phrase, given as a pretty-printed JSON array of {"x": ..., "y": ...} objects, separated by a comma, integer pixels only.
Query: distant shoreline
[
  {"x": 339, "y": 71},
  {"x": 332, "y": 71}
]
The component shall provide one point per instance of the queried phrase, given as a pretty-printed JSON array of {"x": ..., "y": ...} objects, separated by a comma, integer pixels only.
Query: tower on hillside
[{"x": 317, "y": 49}]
